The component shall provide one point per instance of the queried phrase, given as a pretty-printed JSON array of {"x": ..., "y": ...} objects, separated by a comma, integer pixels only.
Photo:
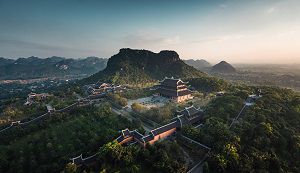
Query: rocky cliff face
[
  {"x": 136, "y": 66},
  {"x": 142, "y": 59}
]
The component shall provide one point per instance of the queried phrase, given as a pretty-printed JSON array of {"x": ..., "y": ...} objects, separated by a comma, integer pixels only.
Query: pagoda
[{"x": 174, "y": 89}]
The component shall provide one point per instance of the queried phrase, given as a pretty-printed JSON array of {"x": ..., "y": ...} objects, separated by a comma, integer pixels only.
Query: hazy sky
[{"x": 249, "y": 31}]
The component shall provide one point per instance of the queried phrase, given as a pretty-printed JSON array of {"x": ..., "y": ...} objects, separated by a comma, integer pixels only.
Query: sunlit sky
[{"x": 238, "y": 31}]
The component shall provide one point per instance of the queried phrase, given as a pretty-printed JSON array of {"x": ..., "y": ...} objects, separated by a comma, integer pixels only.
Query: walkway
[
  {"x": 51, "y": 110},
  {"x": 198, "y": 168},
  {"x": 127, "y": 115},
  {"x": 237, "y": 117}
]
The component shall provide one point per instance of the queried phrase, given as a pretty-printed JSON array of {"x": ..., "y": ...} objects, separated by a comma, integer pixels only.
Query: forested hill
[
  {"x": 34, "y": 67},
  {"x": 140, "y": 66},
  {"x": 223, "y": 67},
  {"x": 266, "y": 137}
]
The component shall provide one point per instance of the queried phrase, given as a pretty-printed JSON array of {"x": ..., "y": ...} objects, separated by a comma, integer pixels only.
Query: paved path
[
  {"x": 198, "y": 143},
  {"x": 126, "y": 114},
  {"x": 49, "y": 109},
  {"x": 237, "y": 117},
  {"x": 198, "y": 168}
]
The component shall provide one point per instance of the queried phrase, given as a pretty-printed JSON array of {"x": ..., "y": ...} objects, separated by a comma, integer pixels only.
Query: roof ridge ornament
[
  {"x": 188, "y": 107},
  {"x": 179, "y": 121}
]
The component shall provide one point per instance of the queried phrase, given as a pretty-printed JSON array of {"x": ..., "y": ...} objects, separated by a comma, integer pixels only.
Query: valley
[
  {"x": 117, "y": 120},
  {"x": 286, "y": 76},
  {"x": 283, "y": 75}
]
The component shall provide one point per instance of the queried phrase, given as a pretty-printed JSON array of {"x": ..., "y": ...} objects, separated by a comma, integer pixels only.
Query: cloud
[
  {"x": 30, "y": 45},
  {"x": 288, "y": 33},
  {"x": 146, "y": 39},
  {"x": 232, "y": 37},
  {"x": 222, "y": 38},
  {"x": 270, "y": 10},
  {"x": 223, "y": 6},
  {"x": 20, "y": 44},
  {"x": 19, "y": 48}
]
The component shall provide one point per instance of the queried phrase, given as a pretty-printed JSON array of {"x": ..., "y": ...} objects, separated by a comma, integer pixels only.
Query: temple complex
[
  {"x": 102, "y": 88},
  {"x": 190, "y": 115},
  {"x": 34, "y": 97},
  {"x": 99, "y": 88},
  {"x": 174, "y": 89}
]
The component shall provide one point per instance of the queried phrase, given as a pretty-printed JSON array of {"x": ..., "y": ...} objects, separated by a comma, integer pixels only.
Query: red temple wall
[
  {"x": 126, "y": 140},
  {"x": 162, "y": 135}
]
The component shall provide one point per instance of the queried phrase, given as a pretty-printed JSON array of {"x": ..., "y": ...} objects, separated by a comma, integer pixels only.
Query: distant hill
[
  {"x": 34, "y": 67},
  {"x": 223, "y": 67},
  {"x": 141, "y": 66},
  {"x": 4, "y": 61},
  {"x": 198, "y": 64}
]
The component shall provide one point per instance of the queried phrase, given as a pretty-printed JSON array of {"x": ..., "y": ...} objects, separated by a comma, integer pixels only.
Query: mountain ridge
[
  {"x": 199, "y": 64},
  {"x": 139, "y": 66},
  {"x": 35, "y": 67}
]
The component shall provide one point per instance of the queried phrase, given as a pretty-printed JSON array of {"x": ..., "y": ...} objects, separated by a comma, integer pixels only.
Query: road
[{"x": 198, "y": 169}]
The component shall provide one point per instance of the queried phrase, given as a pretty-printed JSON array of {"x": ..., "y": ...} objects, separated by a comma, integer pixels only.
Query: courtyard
[{"x": 149, "y": 102}]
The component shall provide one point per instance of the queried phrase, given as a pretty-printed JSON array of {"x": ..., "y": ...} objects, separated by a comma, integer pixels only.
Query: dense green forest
[
  {"x": 164, "y": 156},
  {"x": 48, "y": 145},
  {"x": 17, "y": 110},
  {"x": 265, "y": 139},
  {"x": 14, "y": 109},
  {"x": 208, "y": 84}
]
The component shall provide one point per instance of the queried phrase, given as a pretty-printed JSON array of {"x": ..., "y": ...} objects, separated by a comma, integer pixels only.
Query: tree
[
  {"x": 70, "y": 168},
  {"x": 137, "y": 107},
  {"x": 123, "y": 102},
  {"x": 118, "y": 99}
]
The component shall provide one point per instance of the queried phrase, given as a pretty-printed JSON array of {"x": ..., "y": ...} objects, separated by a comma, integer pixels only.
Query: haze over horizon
[{"x": 259, "y": 31}]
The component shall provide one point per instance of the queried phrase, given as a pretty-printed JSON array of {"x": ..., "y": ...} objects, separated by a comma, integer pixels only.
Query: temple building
[
  {"x": 174, "y": 89},
  {"x": 100, "y": 88},
  {"x": 34, "y": 97},
  {"x": 190, "y": 115}
]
